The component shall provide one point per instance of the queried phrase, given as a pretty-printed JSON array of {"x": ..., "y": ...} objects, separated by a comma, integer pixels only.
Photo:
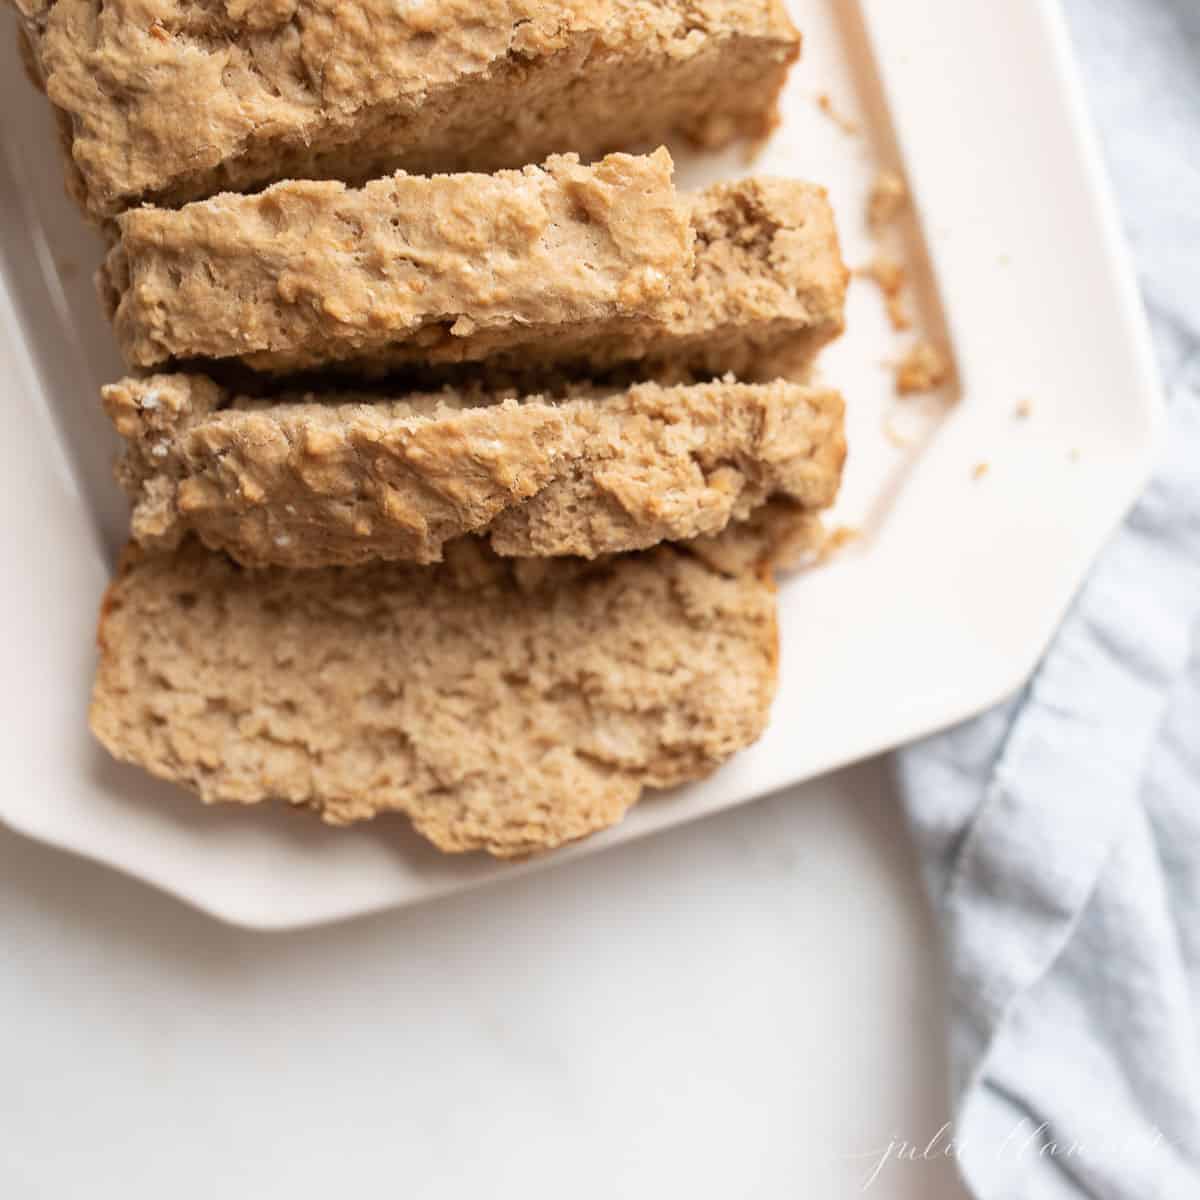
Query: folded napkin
[{"x": 1060, "y": 834}]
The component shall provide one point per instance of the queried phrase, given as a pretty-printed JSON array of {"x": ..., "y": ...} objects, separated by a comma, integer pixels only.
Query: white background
[{"x": 739, "y": 1008}]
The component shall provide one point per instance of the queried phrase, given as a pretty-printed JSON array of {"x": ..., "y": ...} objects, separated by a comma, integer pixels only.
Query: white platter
[{"x": 940, "y": 610}]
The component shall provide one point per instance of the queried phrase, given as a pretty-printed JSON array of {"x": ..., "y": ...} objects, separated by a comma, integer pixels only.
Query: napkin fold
[{"x": 1059, "y": 835}]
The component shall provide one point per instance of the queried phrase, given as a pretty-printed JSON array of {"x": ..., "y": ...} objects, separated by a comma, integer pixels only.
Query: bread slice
[
  {"x": 450, "y": 265},
  {"x": 168, "y": 101},
  {"x": 586, "y": 268},
  {"x": 307, "y": 481},
  {"x": 504, "y": 706}
]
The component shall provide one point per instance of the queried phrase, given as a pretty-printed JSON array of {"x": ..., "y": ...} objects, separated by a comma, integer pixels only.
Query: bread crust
[
  {"x": 588, "y": 269},
  {"x": 449, "y": 267},
  {"x": 302, "y": 481},
  {"x": 168, "y": 101}
]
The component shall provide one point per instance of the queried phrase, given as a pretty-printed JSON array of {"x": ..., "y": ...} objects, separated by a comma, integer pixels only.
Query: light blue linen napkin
[{"x": 1060, "y": 835}]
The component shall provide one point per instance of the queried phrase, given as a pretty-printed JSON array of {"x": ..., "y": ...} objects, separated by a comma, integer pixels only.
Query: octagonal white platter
[{"x": 942, "y": 607}]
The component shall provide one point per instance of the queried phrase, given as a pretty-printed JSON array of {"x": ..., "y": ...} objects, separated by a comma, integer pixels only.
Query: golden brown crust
[
  {"x": 264, "y": 279},
  {"x": 450, "y": 266},
  {"x": 302, "y": 481},
  {"x": 173, "y": 100},
  {"x": 504, "y": 706}
]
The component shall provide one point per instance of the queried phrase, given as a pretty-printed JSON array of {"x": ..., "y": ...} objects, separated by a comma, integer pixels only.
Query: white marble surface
[{"x": 737, "y": 1009}]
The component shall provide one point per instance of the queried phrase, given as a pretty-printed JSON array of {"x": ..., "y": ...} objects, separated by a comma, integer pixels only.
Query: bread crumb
[
  {"x": 890, "y": 275},
  {"x": 923, "y": 369},
  {"x": 1024, "y": 410},
  {"x": 843, "y": 122},
  {"x": 836, "y": 540},
  {"x": 888, "y": 196},
  {"x": 897, "y": 311},
  {"x": 981, "y": 470}
]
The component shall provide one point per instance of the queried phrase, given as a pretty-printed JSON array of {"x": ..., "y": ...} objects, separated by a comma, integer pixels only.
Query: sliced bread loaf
[
  {"x": 173, "y": 100},
  {"x": 504, "y": 706},
  {"x": 584, "y": 268},
  {"x": 307, "y": 481}
]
